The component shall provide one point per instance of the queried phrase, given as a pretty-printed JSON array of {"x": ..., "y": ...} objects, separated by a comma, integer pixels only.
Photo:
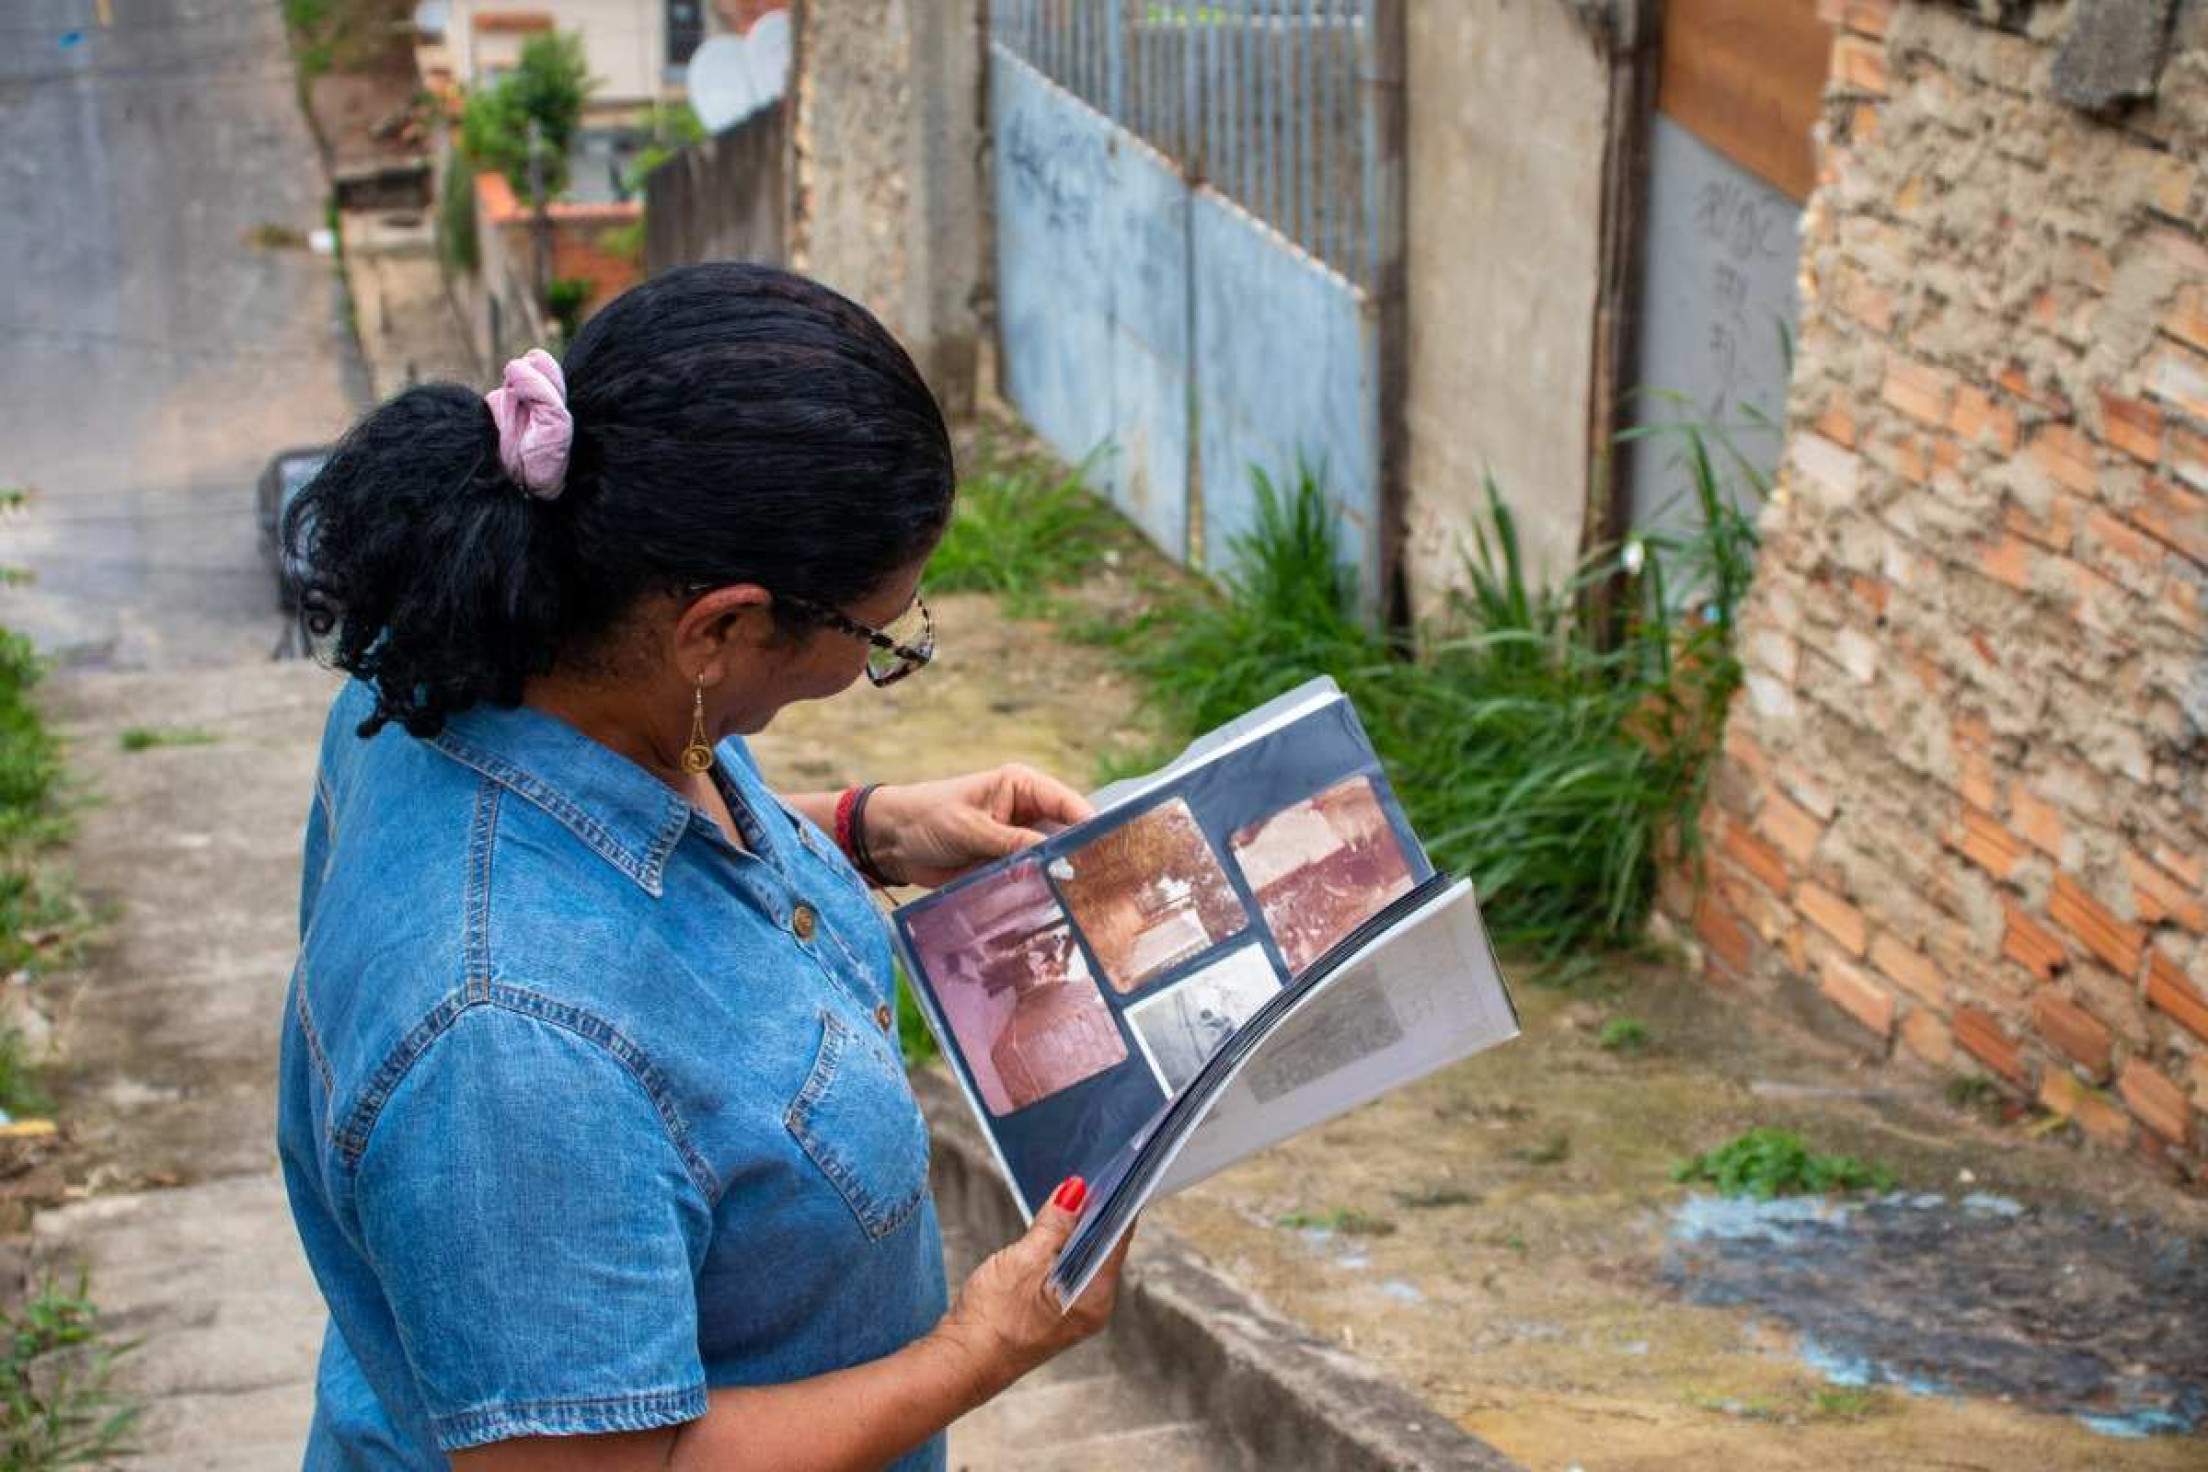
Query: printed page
[
  {"x": 1426, "y": 996},
  {"x": 1078, "y": 987}
]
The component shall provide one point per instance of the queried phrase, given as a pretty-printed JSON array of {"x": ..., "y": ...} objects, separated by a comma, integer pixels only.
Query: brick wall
[{"x": 1964, "y": 799}]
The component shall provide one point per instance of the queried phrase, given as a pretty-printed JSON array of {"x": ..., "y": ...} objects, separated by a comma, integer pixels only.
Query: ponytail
[
  {"x": 722, "y": 423},
  {"x": 430, "y": 573}
]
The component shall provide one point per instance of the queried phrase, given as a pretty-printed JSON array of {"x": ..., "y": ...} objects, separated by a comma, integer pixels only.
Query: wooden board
[{"x": 1747, "y": 77}]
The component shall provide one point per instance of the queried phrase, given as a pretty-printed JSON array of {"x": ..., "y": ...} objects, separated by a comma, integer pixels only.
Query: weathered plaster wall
[
  {"x": 1508, "y": 121},
  {"x": 888, "y": 191},
  {"x": 1965, "y": 794}
]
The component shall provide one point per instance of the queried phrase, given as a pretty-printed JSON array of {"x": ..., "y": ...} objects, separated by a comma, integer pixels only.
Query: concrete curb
[{"x": 1284, "y": 1397}]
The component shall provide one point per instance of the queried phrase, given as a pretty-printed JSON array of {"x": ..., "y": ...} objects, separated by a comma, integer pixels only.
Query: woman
[{"x": 592, "y": 1114}]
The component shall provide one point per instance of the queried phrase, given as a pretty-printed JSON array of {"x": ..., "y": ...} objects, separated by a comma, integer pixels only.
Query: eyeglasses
[{"x": 895, "y": 651}]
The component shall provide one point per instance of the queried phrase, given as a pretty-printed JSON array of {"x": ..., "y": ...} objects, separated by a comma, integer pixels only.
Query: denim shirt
[{"x": 583, "y": 1108}]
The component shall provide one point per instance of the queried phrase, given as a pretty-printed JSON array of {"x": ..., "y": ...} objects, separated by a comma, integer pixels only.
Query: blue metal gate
[{"x": 1198, "y": 253}]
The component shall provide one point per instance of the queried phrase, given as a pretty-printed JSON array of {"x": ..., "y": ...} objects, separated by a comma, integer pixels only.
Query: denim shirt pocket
[{"x": 857, "y": 1120}]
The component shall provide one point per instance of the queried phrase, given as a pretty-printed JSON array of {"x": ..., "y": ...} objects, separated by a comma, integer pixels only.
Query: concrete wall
[
  {"x": 625, "y": 40},
  {"x": 888, "y": 194},
  {"x": 1508, "y": 124},
  {"x": 724, "y": 200},
  {"x": 1963, "y": 811}
]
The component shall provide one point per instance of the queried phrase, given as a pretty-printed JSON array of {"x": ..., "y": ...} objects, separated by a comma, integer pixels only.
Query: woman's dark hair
[{"x": 733, "y": 423}]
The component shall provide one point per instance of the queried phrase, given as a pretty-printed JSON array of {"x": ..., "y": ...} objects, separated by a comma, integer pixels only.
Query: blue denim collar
[{"x": 623, "y": 813}]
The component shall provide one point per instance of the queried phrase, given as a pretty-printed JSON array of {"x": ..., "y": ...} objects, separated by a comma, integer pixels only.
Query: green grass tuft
[
  {"x": 913, "y": 1031},
  {"x": 1623, "y": 1035},
  {"x": 1016, "y": 532},
  {"x": 1767, "y": 1162},
  {"x": 1347, "y": 1220},
  {"x": 146, "y": 738},
  {"x": 57, "y": 1407}
]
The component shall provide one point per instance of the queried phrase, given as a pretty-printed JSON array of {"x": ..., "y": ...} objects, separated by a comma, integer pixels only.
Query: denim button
[
  {"x": 883, "y": 1016},
  {"x": 802, "y": 920}
]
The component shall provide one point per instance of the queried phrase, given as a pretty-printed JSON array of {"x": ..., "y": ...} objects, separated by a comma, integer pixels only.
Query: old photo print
[
  {"x": 1016, "y": 989},
  {"x": 1150, "y": 895},
  {"x": 1185, "y": 1024},
  {"x": 1322, "y": 867}
]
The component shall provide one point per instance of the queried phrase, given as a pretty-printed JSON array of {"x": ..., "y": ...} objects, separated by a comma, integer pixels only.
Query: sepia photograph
[
  {"x": 1150, "y": 895},
  {"x": 1321, "y": 867},
  {"x": 1016, "y": 989},
  {"x": 1185, "y": 1024}
]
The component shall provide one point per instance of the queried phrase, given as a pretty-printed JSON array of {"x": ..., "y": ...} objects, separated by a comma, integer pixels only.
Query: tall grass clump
[
  {"x": 1548, "y": 741},
  {"x": 1019, "y": 532}
]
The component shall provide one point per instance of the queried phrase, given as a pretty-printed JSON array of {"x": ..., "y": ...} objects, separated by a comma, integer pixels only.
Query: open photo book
[{"x": 1236, "y": 948}]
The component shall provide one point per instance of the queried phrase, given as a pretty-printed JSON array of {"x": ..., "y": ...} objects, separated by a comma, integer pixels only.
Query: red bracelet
[
  {"x": 845, "y": 802},
  {"x": 851, "y": 835}
]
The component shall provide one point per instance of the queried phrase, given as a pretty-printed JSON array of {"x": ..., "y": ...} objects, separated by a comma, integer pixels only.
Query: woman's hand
[
  {"x": 931, "y": 832},
  {"x": 1006, "y": 1323}
]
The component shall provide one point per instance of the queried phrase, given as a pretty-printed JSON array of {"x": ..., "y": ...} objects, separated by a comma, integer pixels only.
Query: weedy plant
[
  {"x": 1766, "y": 1162},
  {"x": 1547, "y": 743},
  {"x": 1018, "y": 532},
  {"x": 1623, "y": 1035},
  {"x": 57, "y": 1407}
]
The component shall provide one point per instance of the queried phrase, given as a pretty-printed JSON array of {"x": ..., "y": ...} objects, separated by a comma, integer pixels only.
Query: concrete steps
[{"x": 1082, "y": 1412}]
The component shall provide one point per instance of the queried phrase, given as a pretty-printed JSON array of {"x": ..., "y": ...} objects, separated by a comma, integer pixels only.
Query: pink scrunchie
[{"x": 535, "y": 430}]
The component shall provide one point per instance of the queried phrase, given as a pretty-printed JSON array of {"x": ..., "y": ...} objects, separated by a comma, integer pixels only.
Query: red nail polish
[{"x": 1070, "y": 1194}]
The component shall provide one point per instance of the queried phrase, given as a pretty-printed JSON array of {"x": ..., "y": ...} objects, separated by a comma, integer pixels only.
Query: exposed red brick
[
  {"x": 1873, "y": 593},
  {"x": 2060, "y": 1093},
  {"x": 1926, "y": 1035},
  {"x": 512, "y": 21},
  {"x": 2174, "y": 516},
  {"x": 1838, "y": 425},
  {"x": 2133, "y": 426},
  {"x": 2188, "y": 319},
  {"x": 1866, "y": 301},
  {"x": 2117, "y": 539},
  {"x": 2160, "y": 1104},
  {"x": 1909, "y": 969},
  {"x": 2068, "y": 456},
  {"x": 2158, "y": 895},
  {"x": 1919, "y": 390},
  {"x": 1760, "y": 859},
  {"x": 1981, "y": 839},
  {"x": 2177, "y": 374},
  {"x": 2191, "y": 869},
  {"x": 1791, "y": 827},
  {"x": 2030, "y": 944},
  {"x": 1868, "y": 17},
  {"x": 2008, "y": 561},
  {"x": 1850, "y": 988},
  {"x": 1980, "y": 1036},
  {"x": 1722, "y": 931},
  {"x": 2018, "y": 382},
  {"x": 2052, "y": 531},
  {"x": 1834, "y": 916},
  {"x": 1859, "y": 64},
  {"x": 2038, "y": 823},
  {"x": 1978, "y": 419},
  {"x": 2096, "y": 927},
  {"x": 2189, "y": 457},
  {"x": 2168, "y": 990},
  {"x": 2072, "y": 1029}
]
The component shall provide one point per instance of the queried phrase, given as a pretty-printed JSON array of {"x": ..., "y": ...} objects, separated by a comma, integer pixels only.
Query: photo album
[{"x": 1236, "y": 948}]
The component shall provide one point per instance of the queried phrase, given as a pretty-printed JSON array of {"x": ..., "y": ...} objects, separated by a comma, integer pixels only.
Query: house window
[{"x": 685, "y": 30}]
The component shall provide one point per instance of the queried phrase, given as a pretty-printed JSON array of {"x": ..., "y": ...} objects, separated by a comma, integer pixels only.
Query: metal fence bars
[{"x": 1196, "y": 218}]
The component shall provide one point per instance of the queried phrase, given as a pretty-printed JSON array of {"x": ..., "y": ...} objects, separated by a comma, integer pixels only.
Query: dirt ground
[{"x": 1505, "y": 1237}]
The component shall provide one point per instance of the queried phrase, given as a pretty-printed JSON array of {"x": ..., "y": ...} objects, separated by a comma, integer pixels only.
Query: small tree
[{"x": 547, "y": 88}]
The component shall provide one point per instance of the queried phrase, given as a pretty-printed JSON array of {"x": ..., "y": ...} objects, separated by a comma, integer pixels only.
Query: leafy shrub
[
  {"x": 1767, "y": 1162},
  {"x": 1017, "y": 532}
]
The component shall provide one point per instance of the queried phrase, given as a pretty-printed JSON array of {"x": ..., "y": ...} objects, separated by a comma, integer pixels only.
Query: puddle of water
[{"x": 2104, "y": 1321}]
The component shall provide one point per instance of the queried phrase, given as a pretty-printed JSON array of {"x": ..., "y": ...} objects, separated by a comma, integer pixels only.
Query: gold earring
[{"x": 698, "y": 755}]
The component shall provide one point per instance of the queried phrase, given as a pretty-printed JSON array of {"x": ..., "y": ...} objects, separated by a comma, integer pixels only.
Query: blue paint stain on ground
[{"x": 2104, "y": 1320}]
